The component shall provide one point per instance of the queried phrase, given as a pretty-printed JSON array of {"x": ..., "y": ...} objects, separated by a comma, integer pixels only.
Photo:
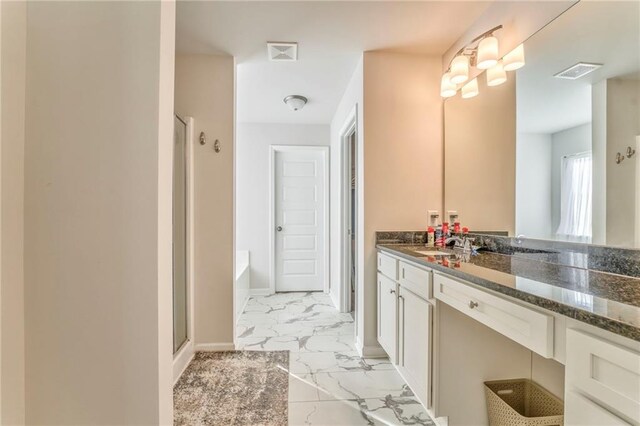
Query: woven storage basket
[{"x": 521, "y": 402}]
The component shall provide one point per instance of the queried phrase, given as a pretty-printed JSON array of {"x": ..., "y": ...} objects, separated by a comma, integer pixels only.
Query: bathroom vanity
[{"x": 451, "y": 322}]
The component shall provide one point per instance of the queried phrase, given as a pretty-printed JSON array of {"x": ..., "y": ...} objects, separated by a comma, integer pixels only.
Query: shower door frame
[{"x": 184, "y": 354}]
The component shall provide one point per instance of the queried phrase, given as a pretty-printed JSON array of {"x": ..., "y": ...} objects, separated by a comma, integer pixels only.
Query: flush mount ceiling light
[
  {"x": 578, "y": 70},
  {"x": 483, "y": 53},
  {"x": 295, "y": 102}
]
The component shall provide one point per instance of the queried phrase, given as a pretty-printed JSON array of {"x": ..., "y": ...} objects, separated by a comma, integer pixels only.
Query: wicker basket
[{"x": 521, "y": 402}]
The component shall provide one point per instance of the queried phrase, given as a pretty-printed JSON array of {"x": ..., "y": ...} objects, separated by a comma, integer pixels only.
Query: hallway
[{"x": 329, "y": 384}]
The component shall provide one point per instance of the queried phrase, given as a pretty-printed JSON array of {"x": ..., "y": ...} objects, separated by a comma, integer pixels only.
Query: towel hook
[{"x": 216, "y": 143}]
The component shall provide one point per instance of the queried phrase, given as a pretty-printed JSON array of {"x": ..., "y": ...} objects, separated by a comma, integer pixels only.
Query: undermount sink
[{"x": 432, "y": 253}]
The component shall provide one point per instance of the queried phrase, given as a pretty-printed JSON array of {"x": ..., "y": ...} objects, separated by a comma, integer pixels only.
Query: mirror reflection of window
[
  {"x": 578, "y": 117},
  {"x": 576, "y": 198}
]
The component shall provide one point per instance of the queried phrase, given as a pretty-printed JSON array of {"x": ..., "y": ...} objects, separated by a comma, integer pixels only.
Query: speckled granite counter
[{"x": 604, "y": 300}]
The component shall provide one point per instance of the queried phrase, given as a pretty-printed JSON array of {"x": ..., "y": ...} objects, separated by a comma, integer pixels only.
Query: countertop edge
[{"x": 608, "y": 324}]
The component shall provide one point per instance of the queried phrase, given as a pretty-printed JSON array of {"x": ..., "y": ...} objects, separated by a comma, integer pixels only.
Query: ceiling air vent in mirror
[
  {"x": 282, "y": 51},
  {"x": 578, "y": 70}
]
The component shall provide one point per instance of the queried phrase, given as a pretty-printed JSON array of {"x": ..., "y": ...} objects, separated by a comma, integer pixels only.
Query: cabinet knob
[
  {"x": 473, "y": 304},
  {"x": 392, "y": 291}
]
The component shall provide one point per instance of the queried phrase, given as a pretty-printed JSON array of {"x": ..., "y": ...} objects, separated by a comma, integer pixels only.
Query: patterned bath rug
[{"x": 233, "y": 388}]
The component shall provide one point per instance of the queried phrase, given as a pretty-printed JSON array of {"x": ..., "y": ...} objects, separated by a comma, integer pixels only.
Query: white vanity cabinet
[
  {"x": 387, "y": 314},
  {"x": 602, "y": 381},
  {"x": 405, "y": 321},
  {"x": 415, "y": 322}
]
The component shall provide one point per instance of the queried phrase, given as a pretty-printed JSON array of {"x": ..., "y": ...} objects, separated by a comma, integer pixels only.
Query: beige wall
[
  {"x": 205, "y": 91},
  {"x": 12, "y": 119},
  {"x": 97, "y": 240},
  {"x": 402, "y": 154},
  {"x": 623, "y": 125},
  {"x": 480, "y": 157}
]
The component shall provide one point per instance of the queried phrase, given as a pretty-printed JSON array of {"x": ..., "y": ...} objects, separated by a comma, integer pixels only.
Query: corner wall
[
  {"x": 252, "y": 186},
  {"x": 402, "y": 156},
  {"x": 352, "y": 100},
  {"x": 205, "y": 91},
  {"x": 99, "y": 98},
  {"x": 13, "y": 25}
]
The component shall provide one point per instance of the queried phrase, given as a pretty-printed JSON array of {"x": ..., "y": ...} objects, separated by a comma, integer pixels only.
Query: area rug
[{"x": 233, "y": 388}]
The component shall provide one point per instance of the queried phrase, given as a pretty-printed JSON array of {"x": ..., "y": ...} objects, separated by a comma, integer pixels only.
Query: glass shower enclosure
[{"x": 180, "y": 290}]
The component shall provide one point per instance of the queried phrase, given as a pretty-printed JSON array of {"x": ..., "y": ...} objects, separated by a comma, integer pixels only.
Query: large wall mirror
[{"x": 554, "y": 153}]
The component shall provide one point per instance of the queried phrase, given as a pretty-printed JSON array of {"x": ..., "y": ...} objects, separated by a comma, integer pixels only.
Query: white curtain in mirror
[{"x": 576, "y": 198}]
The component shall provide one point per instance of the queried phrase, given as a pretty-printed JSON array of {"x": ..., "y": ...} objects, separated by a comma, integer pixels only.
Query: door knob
[{"x": 279, "y": 228}]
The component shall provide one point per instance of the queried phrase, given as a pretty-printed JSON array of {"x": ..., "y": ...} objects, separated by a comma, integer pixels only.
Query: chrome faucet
[{"x": 465, "y": 243}]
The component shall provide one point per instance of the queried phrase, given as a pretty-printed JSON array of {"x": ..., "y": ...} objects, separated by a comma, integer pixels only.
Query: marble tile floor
[{"x": 329, "y": 384}]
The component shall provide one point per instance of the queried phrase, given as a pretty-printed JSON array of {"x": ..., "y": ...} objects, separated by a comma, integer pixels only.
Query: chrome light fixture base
[{"x": 295, "y": 102}]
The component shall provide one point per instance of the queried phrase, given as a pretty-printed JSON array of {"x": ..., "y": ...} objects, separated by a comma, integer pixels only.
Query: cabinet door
[
  {"x": 387, "y": 316},
  {"x": 415, "y": 343}
]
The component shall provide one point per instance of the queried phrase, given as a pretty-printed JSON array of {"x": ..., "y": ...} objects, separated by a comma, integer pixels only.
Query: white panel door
[{"x": 300, "y": 219}]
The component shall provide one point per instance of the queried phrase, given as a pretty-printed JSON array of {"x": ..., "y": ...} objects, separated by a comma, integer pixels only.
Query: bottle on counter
[
  {"x": 438, "y": 240},
  {"x": 446, "y": 233},
  {"x": 456, "y": 227},
  {"x": 431, "y": 237}
]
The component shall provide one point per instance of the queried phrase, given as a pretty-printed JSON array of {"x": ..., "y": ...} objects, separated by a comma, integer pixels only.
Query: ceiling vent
[
  {"x": 282, "y": 51},
  {"x": 578, "y": 70}
]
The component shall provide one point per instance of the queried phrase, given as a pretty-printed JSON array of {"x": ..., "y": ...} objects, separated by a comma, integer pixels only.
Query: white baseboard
[
  {"x": 373, "y": 351},
  {"x": 181, "y": 360},
  {"x": 214, "y": 347},
  {"x": 336, "y": 303},
  {"x": 260, "y": 292}
]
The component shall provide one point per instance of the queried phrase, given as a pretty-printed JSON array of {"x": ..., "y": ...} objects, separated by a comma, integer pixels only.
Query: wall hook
[
  {"x": 630, "y": 152},
  {"x": 619, "y": 158}
]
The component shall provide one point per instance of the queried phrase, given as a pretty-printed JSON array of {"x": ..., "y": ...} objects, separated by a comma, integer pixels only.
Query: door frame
[
  {"x": 186, "y": 352},
  {"x": 350, "y": 126},
  {"x": 273, "y": 150}
]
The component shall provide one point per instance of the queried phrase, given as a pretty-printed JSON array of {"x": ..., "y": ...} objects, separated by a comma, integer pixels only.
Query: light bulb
[
  {"x": 459, "y": 69},
  {"x": 496, "y": 75},
  {"x": 470, "y": 89},
  {"x": 514, "y": 59},
  {"x": 487, "y": 53},
  {"x": 447, "y": 88}
]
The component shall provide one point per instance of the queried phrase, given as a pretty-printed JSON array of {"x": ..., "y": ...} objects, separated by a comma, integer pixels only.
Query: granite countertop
[{"x": 604, "y": 300}]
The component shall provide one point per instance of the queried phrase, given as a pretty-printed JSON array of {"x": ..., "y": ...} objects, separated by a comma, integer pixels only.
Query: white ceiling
[
  {"x": 596, "y": 32},
  {"x": 331, "y": 37}
]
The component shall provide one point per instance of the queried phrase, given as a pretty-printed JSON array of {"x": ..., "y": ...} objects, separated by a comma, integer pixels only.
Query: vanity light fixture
[
  {"x": 514, "y": 59},
  {"x": 496, "y": 75},
  {"x": 459, "y": 69},
  {"x": 483, "y": 53},
  {"x": 447, "y": 88},
  {"x": 470, "y": 89},
  {"x": 487, "y": 53}
]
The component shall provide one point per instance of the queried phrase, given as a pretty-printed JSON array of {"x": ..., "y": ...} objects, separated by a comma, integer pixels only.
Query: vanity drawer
[
  {"x": 606, "y": 372},
  {"x": 528, "y": 327},
  {"x": 580, "y": 411},
  {"x": 388, "y": 266},
  {"x": 415, "y": 279}
]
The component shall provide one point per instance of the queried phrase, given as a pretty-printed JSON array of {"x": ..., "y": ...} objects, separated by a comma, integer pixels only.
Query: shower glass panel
[{"x": 179, "y": 234}]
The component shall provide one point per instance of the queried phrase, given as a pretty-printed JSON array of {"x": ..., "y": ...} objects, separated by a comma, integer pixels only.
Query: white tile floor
[{"x": 329, "y": 384}]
